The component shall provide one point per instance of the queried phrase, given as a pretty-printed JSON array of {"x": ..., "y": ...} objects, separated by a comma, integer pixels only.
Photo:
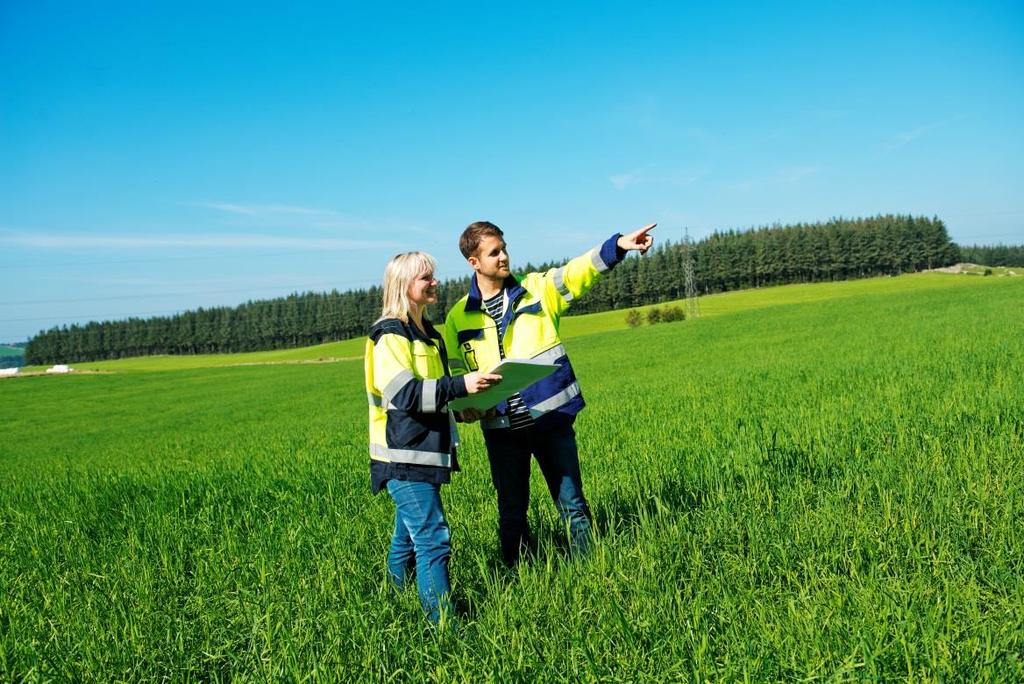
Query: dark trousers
[{"x": 509, "y": 453}]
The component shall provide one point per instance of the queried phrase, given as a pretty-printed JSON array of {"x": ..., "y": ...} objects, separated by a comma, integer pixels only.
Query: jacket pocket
[{"x": 416, "y": 431}]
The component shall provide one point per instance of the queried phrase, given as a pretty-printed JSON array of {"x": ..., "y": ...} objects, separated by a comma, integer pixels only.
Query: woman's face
[{"x": 423, "y": 289}]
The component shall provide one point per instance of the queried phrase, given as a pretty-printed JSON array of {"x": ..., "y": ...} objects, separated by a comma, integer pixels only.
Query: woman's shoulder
[{"x": 389, "y": 326}]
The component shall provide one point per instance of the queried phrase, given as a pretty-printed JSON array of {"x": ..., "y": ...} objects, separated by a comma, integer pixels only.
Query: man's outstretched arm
[{"x": 580, "y": 274}]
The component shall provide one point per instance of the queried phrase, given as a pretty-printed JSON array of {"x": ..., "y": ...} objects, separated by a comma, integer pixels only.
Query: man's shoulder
[
  {"x": 460, "y": 304},
  {"x": 457, "y": 311},
  {"x": 533, "y": 281}
]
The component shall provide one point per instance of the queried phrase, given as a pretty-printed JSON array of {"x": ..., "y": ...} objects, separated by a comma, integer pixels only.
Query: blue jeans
[
  {"x": 422, "y": 540},
  {"x": 555, "y": 449}
]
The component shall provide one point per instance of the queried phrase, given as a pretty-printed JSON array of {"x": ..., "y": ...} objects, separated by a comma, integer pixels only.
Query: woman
[{"x": 412, "y": 434}]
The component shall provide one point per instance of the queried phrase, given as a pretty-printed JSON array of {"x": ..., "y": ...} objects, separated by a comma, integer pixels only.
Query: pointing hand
[{"x": 638, "y": 240}]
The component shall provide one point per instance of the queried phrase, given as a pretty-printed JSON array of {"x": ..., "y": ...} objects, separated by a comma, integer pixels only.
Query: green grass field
[{"x": 816, "y": 482}]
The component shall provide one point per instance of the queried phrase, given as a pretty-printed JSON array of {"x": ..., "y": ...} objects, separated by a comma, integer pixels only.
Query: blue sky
[{"x": 157, "y": 157}]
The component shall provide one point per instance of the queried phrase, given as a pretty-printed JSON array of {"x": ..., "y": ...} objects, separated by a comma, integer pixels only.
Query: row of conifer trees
[
  {"x": 997, "y": 255},
  {"x": 837, "y": 250}
]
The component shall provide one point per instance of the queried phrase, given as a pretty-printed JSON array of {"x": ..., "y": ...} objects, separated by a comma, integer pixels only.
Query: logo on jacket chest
[{"x": 469, "y": 354}]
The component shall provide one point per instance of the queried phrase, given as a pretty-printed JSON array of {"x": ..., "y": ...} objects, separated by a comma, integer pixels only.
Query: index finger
[{"x": 646, "y": 229}]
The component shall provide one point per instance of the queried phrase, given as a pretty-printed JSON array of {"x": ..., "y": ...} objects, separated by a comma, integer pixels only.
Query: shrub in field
[
  {"x": 654, "y": 315},
  {"x": 633, "y": 318},
  {"x": 673, "y": 313}
]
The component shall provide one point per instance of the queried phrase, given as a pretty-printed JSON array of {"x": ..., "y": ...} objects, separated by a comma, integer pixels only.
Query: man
[{"x": 517, "y": 317}]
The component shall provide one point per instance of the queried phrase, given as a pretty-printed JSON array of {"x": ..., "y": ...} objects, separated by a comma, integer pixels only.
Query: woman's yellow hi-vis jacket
[
  {"x": 534, "y": 306},
  {"x": 408, "y": 388}
]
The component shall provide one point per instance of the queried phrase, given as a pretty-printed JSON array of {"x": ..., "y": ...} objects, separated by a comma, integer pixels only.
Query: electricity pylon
[{"x": 689, "y": 279}]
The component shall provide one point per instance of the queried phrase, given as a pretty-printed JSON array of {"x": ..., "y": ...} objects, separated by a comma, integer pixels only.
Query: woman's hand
[{"x": 478, "y": 382}]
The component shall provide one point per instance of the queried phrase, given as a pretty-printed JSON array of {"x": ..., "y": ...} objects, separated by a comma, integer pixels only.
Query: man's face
[{"x": 491, "y": 259}]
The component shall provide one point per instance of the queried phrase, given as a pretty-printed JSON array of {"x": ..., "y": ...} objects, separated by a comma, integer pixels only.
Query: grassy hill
[
  {"x": 11, "y": 357},
  {"x": 571, "y": 326},
  {"x": 816, "y": 482},
  {"x": 332, "y": 351}
]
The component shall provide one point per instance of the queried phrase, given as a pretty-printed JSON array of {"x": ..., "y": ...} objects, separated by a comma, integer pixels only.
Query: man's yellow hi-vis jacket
[
  {"x": 408, "y": 389},
  {"x": 534, "y": 305}
]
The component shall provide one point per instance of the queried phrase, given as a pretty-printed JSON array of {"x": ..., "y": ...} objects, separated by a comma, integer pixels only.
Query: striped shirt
[{"x": 518, "y": 414}]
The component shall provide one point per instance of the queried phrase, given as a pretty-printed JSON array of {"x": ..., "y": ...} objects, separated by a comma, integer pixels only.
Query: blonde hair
[{"x": 398, "y": 275}]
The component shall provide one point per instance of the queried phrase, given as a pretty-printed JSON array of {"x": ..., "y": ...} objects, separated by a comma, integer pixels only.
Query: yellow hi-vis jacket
[
  {"x": 534, "y": 304},
  {"x": 408, "y": 389}
]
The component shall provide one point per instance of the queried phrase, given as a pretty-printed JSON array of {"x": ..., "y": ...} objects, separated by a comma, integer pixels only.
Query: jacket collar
[
  {"x": 432, "y": 335},
  {"x": 407, "y": 330},
  {"x": 474, "y": 300}
]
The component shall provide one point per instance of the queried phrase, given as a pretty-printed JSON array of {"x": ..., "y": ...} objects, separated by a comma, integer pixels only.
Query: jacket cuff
[
  {"x": 459, "y": 386},
  {"x": 610, "y": 252}
]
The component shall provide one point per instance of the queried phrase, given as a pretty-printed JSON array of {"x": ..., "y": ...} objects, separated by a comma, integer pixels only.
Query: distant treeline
[
  {"x": 1000, "y": 255},
  {"x": 777, "y": 255},
  {"x": 837, "y": 250}
]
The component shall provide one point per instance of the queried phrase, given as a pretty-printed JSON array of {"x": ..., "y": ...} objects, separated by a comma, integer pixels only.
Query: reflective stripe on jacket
[
  {"x": 408, "y": 389},
  {"x": 536, "y": 303}
]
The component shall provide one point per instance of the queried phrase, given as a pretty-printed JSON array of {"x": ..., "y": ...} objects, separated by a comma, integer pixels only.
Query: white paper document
[{"x": 516, "y": 375}]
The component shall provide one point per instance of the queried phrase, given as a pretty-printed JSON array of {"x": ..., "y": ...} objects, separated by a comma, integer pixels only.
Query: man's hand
[{"x": 638, "y": 240}]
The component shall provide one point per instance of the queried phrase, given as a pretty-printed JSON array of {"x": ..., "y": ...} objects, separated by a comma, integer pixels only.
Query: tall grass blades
[{"x": 827, "y": 489}]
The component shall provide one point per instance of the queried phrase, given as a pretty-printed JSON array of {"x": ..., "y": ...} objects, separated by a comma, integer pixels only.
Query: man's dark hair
[{"x": 475, "y": 232}]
